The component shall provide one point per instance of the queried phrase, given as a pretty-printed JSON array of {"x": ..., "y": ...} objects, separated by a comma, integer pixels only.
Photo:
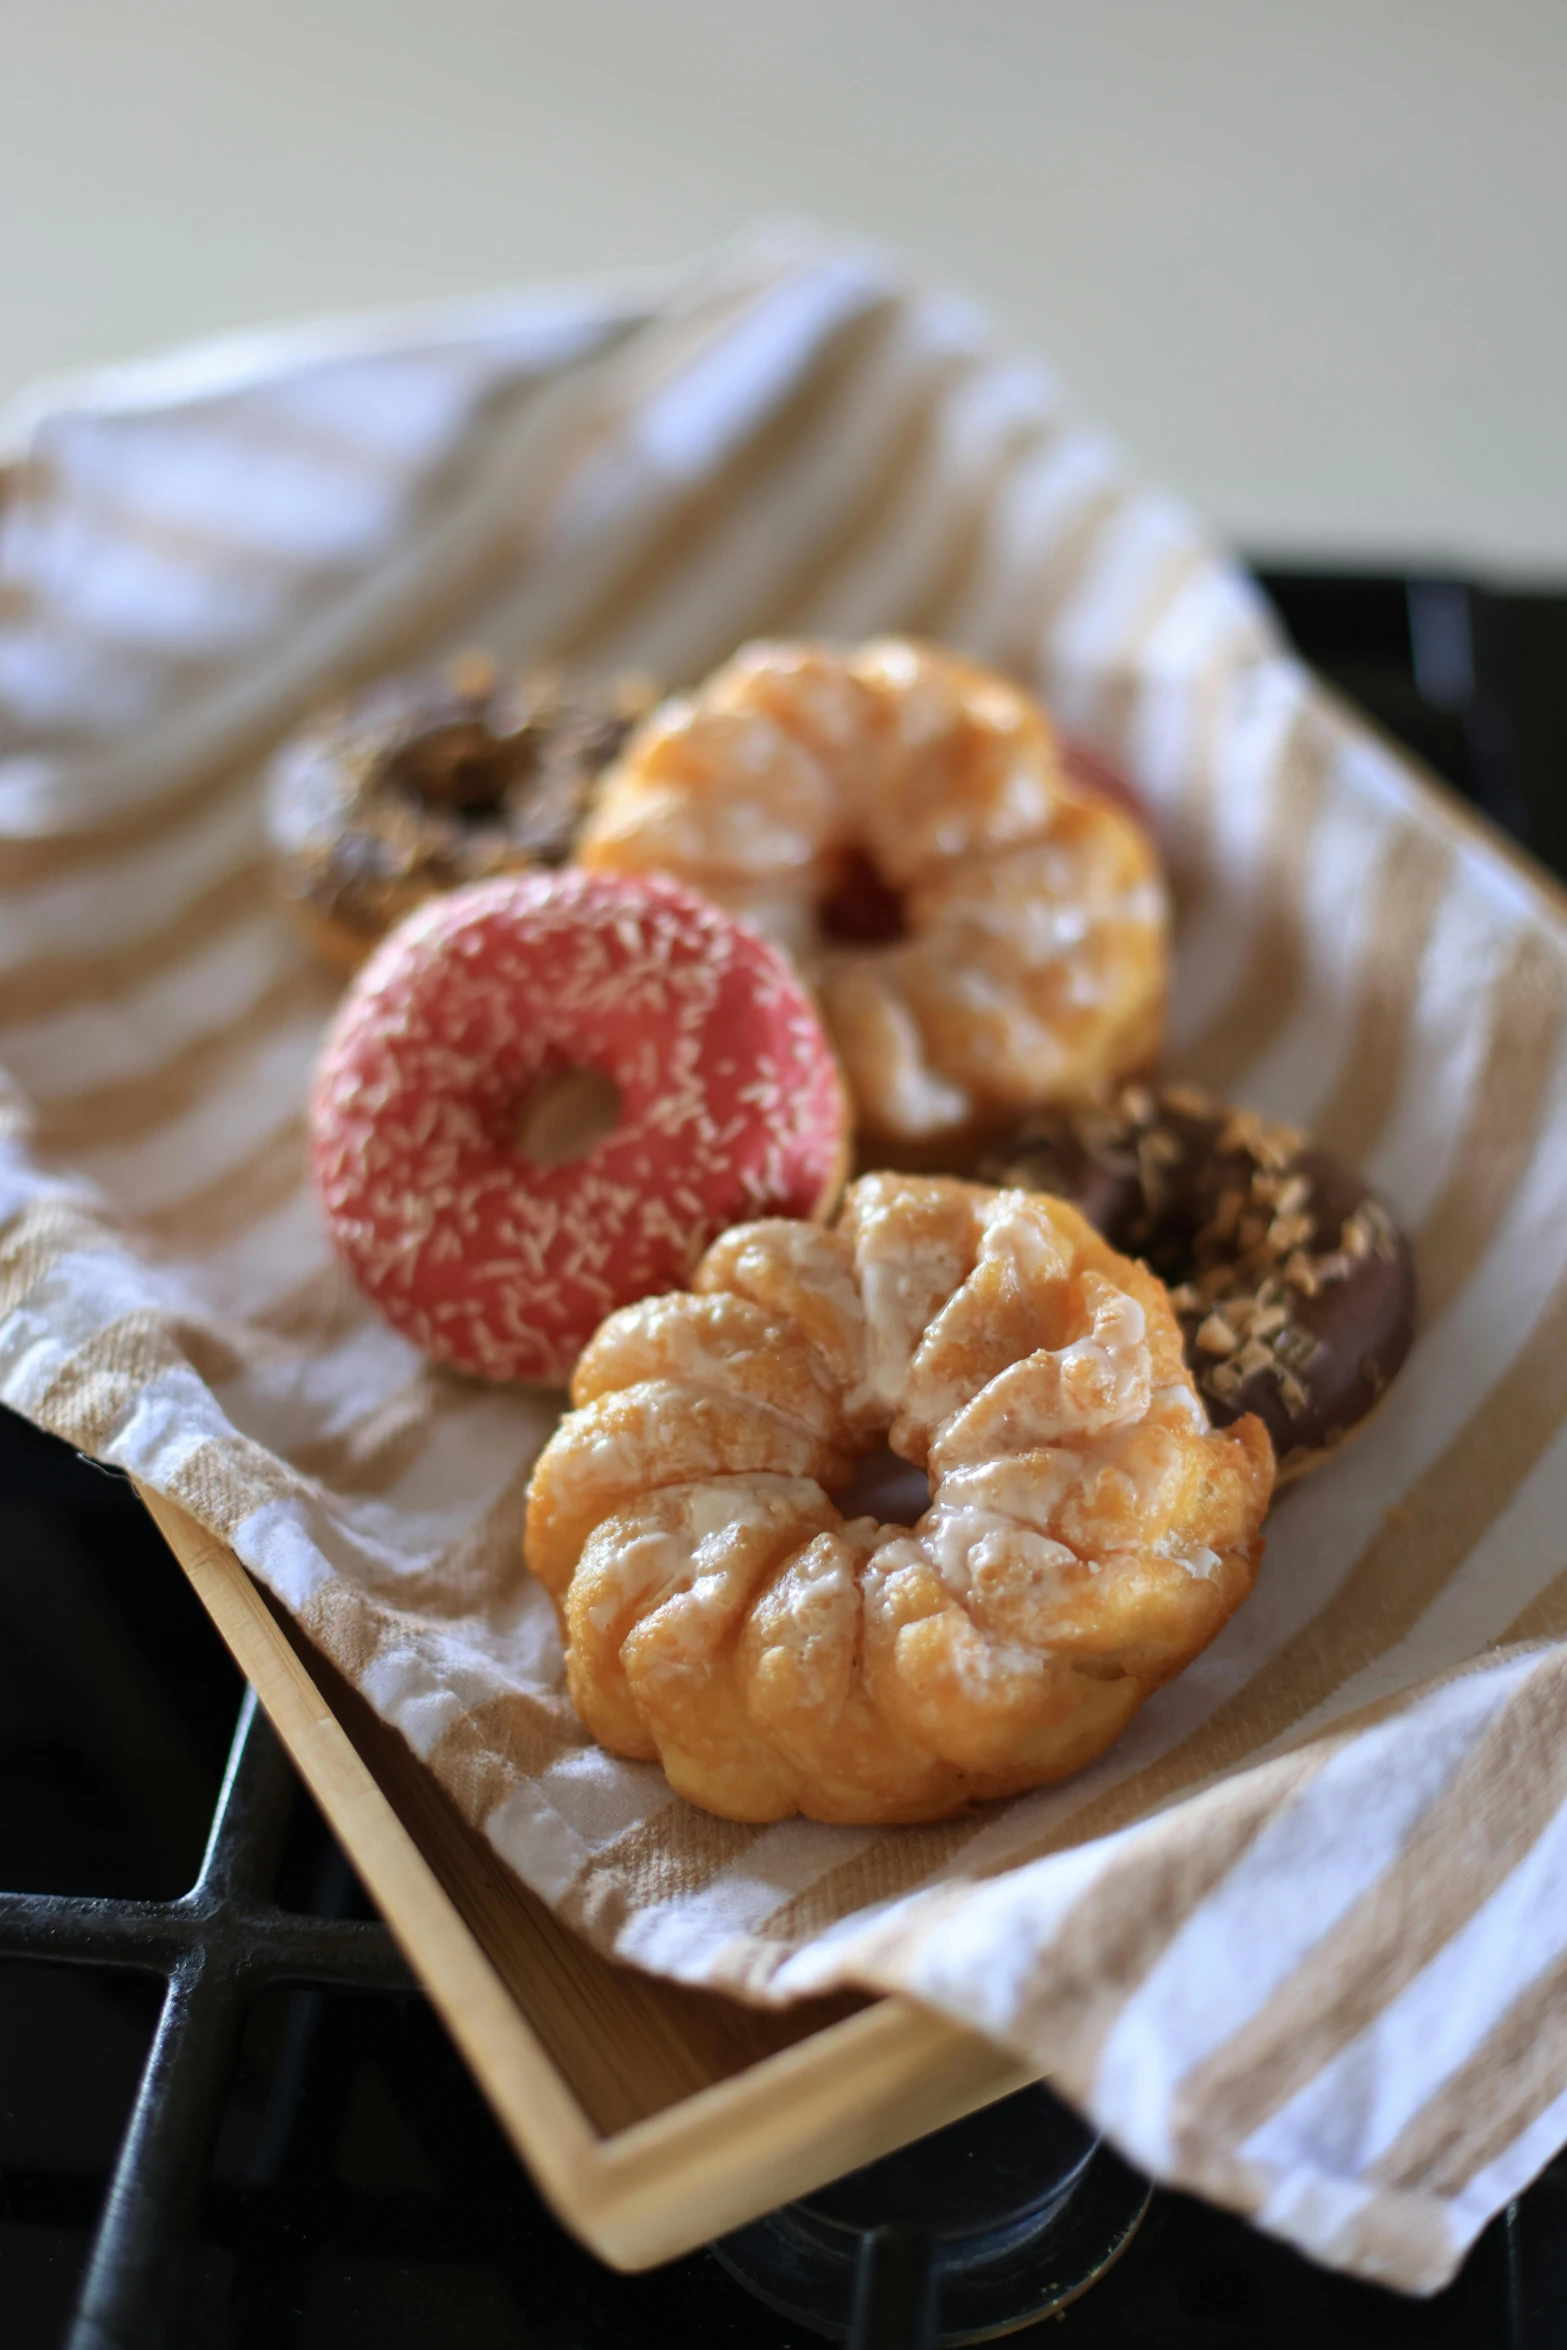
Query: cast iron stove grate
[{"x": 304, "y": 2166}]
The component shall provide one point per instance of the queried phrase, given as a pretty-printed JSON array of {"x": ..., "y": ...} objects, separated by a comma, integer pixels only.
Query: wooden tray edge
[{"x": 844, "y": 2095}]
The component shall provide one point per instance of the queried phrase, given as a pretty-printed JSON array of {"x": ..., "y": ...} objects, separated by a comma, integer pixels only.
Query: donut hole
[
  {"x": 863, "y": 909},
  {"x": 569, "y": 1113},
  {"x": 462, "y": 766},
  {"x": 886, "y": 1487}
]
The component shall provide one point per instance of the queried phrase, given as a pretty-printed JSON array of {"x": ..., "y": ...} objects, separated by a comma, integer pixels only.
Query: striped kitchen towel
[{"x": 1300, "y": 1940}]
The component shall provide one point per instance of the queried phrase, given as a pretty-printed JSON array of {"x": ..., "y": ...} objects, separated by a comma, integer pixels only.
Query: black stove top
[{"x": 307, "y": 2166}]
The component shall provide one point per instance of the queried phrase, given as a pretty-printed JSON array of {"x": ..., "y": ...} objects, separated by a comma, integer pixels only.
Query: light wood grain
[{"x": 651, "y": 2116}]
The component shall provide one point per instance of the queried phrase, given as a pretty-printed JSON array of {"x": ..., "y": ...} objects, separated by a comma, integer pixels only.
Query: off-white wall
[{"x": 1310, "y": 256}]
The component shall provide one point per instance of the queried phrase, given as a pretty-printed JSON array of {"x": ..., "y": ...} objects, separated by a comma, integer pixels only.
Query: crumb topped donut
[
  {"x": 1087, "y": 1532},
  {"x": 1294, "y": 1286},
  {"x": 544, "y": 1096},
  {"x": 425, "y": 782},
  {"x": 985, "y": 928}
]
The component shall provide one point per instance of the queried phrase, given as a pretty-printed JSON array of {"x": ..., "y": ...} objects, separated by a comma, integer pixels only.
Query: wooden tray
[{"x": 651, "y": 2116}]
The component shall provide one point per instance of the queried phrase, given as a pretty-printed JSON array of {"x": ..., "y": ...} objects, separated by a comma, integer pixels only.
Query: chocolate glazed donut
[
  {"x": 430, "y": 780},
  {"x": 1294, "y": 1287}
]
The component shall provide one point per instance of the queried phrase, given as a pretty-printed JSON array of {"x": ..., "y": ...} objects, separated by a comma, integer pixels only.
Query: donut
[
  {"x": 428, "y": 781},
  {"x": 1086, "y": 1533},
  {"x": 1294, "y": 1286},
  {"x": 545, "y": 1095},
  {"x": 985, "y": 930}
]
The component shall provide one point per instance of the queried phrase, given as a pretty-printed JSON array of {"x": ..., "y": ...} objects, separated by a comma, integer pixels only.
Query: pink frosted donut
[{"x": 480, "y": 1041}]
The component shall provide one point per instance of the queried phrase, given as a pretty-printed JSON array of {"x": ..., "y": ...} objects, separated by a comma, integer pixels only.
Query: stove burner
[
  {"x": 980, "y": 2228},
  {"x": 218, "y": 1947}
]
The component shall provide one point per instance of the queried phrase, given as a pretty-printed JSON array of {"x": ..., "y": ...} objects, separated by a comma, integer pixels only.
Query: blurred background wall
[{"x": 1309, "y": 256}]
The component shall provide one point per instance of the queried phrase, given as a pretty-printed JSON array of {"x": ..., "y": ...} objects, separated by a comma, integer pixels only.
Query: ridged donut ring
[
  {"x": 1087, "y": 1532},
  {"x": 986, "y": 932}
]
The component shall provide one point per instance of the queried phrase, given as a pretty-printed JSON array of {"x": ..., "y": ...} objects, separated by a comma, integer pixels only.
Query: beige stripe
[
  {"x": 1269, "y": 990},
  {"x": 224, "y": 1480},
  {"x": 486, "y": 1750},
  {"x": 1186, "y": 824},
  {"x": 482, "y": 1566},
  {"x": 475, "y": 1574},
  {"x": 317, "y": 1313},
  {"x": 899, "y": 1862},
  {"x": 656, "y": 1864},
  {"x": 1416, "y": 874},
  {"x": 905, "y": 453},
  {"x": 217, "y": 1354},
  {"x": 92, "y": 1389},
  {"x": 382, "y": 1444},
  {"x": 1405, "y": 2241},
  {"x": 894, "y": 1865},
  {"x": 136, "y": 1106},
  {"x": 255, "y": 428},
  {"x": 367, "y": 1457},
  {"x": 520, "y": 1734},
  {"x": 111, "y": 529},
  {"x": 947, "y": 593},
  {"x": 708, "y": 510},
  {"x": 59, "y": 982},
  {"x": 255, "y": 1187},
  {"x": 1117, "y": 697},
  {"x": 1117, "y": 1933},
  {"x": 398, "y": 636},
  {"x": 25, "y": 863},
  {"x": 1463, "y": 1847},
  {"x": 37, "y": 1237},
  {"x": 1478, "y": 2111},
  {"x": 1523, "y": 1034},
  {"x": 593, "y": 411},
  {"x": 1106, "y": 1814},
  {"x": 222, "y": 1352},
  {"x": 1024, "y": 649},
  {"x": 1543, "y": 1618}
]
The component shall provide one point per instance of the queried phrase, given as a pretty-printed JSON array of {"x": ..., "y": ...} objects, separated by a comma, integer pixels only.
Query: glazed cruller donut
[
  {"x": 1087, "y": 1533},
  {"x": 986, "y": 933}
]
